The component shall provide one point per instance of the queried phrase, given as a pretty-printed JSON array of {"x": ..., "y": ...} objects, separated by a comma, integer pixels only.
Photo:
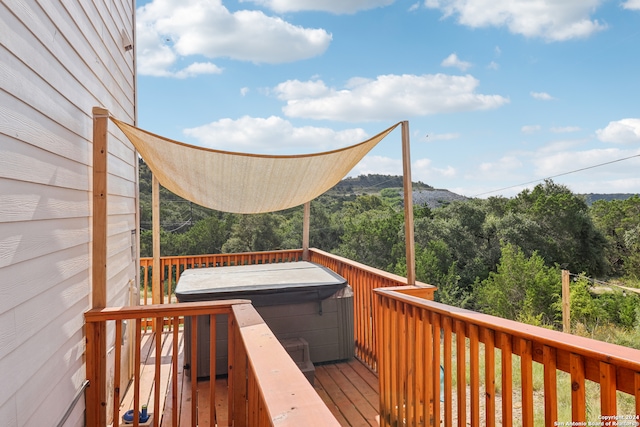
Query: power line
[{"x": 555, "y": 176}]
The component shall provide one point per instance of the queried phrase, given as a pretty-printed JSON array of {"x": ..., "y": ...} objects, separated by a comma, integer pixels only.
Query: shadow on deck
[{"x": 348, "y": 388}]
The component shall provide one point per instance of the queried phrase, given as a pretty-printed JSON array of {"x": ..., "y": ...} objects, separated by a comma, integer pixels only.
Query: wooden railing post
[
  {"x": 96, "y": 333},
  {"x": 157, "y": 270},
  {"x": 306, "y": 219},
  {"x": 408, "y": 205},
  {"x": 566, "y": 302}
]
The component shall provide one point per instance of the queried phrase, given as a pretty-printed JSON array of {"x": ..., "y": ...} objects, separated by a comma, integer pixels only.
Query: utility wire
[{"x": 555, "y": 176}]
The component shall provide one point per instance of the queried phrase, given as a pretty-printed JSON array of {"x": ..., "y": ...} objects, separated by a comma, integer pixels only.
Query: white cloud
[
  {"x": 388, "y": 97},
  {"x": 631, "y": 5},
  {"x": 170, "y": 30},
  {"x": 622, "y": 131},
  {"x": 270, "y": 135},
  {"x": 453, "y": 61},
  {"x": 505, "y": 164},
  {"x": 493, "y": 65},
  {"x": 550, "y": 163},
  {"x": 332, "y": 6},
  {"x": 530, "y": 128},
  {"x": 198, "y": 68},
  {"x": 541, "y": 96},
  {"x": 565, "y": 129},
  {"x": 442, "y": 136},
  {"x": 244, "y": 91},
  {"x": 422, "y": 170},
  {"x": 548, "y": 19}
]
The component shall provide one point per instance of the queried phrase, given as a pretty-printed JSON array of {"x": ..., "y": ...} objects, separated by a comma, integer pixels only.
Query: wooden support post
[
  {"x": 408, "y": 205},
  {"x": 95, "y": 333},
  {"x": 305, "y": 231},
  {"x": 155, "y": 213},
  {"x": 99, "y": 238},
  {"x": 566, "y": 302}
]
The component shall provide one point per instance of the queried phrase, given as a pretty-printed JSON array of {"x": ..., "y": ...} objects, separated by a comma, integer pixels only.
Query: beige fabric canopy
[{"x": 244, "y": 183}]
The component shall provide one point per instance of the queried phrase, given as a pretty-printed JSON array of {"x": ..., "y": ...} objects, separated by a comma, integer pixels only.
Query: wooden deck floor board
[{"x": 348, "y": 388}]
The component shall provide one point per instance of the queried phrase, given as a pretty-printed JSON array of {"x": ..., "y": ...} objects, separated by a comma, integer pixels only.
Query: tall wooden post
[
  {"x": 95, "y": 332},
  {"x": 155, "y": 225},
  {"x": 408, "y": 205},
  {"x": 566, "y": 302},
  {"x": 306, "y": 218}
]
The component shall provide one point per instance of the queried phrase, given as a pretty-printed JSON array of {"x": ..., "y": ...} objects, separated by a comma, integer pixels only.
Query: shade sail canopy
[{"x": 244, "y": 183}]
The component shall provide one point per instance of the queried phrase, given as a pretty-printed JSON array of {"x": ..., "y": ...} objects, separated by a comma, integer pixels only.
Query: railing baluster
[
  {"x": 507, "y": 379},
  {"x": 608, "y": 404},
  {"x": 136, "y": 376},
  {"x": 435, "y": 321},
  {"x": 156, "y": 393},
  {"x": 193, "y": 367},
  {"x": 636, "y": 387},
  {"x": 461, "y": 373},
  {"x": 174, "y": 373},
  {"x": 490, "y": 377},
  {"x": 393, "y": 354},
  {"x": 526, "y": 374},
  {"x": 116, "y": 374},
  {"x": 474, "y": 384},
  {"x": 231, "y": 344},
  {"x": 212, "y": 369},
  {"x": 430, "y": 347},
  {"x": 448, "y": 374},
  {"x": 550, "y": 385},
  {"x": 384, "y": 362},
  {"x": 578, "y": 400}
]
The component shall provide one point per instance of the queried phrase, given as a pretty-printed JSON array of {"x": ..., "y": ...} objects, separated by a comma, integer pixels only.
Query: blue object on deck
[
  {"x": 441, "y": 384},
  {"x": 143, "y": 416}
]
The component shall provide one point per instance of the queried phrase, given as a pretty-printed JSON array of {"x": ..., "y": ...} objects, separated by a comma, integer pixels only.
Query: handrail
[
  {"x": 411, "y": 328},
  {"x": 255, "y": 357},
  {"x": 278, "y": 392},
  {"x": 73, "y": 404}
]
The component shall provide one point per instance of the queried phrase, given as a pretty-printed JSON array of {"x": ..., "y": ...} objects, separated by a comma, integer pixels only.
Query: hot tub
[{"x": 296, "y": 300}]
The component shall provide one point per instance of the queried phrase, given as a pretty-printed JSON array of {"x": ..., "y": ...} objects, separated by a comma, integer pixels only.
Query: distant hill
[
  {"x": 594, "y": 197},
  {"x": 371, "y": 184},
  {"x": 435, "y": 198},
  {"x": 423, "y": 194}
]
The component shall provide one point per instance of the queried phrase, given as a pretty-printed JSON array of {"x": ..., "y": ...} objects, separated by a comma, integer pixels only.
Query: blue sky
[{"x": 497, "y": 93}]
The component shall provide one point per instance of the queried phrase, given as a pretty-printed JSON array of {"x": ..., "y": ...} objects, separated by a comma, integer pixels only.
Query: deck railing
[
  {"x": 416, "y": 337},
  {"x": 362, "y": 278},
  {"x": 258, "y": 367}
]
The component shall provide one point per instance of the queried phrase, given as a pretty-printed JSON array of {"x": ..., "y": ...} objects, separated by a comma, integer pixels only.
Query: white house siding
[{"x": 58, "y": 59}]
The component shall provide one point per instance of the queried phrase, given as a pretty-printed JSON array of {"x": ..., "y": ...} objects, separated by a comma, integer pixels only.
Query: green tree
[
  {"x": 371, "y": 232},
  {"x": 567, "y": 235},
  {"x": 619, "y": 222},
  {"x": 259, "y": 232},
  {"x": 471, "y": 240},
  {"x": 583, "y": 307},
  {"x": 523, "y": 288}
]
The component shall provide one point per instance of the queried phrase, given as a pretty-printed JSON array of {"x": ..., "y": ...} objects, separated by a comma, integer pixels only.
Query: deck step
[{"x": 298, "y": 349}]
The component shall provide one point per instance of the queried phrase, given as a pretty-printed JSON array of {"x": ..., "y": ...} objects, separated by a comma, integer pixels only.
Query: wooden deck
[{"x": 349, "y": 389}]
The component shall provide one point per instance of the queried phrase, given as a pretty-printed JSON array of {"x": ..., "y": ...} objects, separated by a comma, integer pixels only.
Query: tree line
[{"x": 499, "y": 255}]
